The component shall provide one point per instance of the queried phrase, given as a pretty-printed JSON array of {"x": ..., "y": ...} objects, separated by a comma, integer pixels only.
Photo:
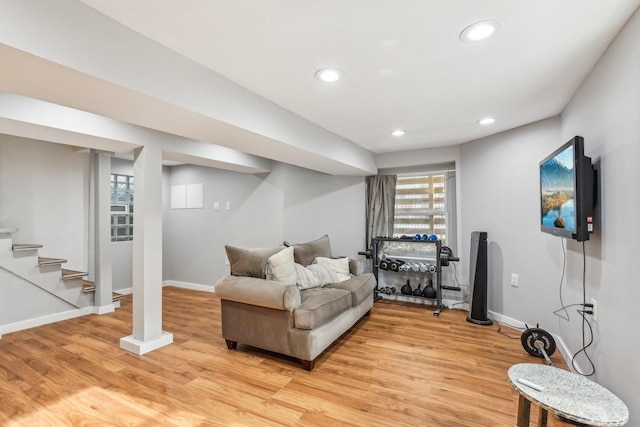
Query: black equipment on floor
[
  {"x": 406, "y": 289},
  {"x": 478, "y": 279},
  {"x": 538, "y": 343},
  {"x": 429, "y": 291}
]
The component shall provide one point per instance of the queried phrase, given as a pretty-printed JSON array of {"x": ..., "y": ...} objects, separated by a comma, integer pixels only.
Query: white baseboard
[
  {"x": 508, "y": 321},
  {"x": 45, "y": 320},
  {"x": 187, "y": 285},
  {"x": 177, "y": 284},
  {"x": 109, "y": 308},
  {"x": 564, "y": 351}
]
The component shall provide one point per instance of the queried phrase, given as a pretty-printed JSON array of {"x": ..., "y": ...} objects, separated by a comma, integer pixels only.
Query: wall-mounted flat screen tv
[{"x": 567, "y": 192}]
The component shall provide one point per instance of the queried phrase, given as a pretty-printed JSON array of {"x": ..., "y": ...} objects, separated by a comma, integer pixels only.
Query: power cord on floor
[
  {"x": 457, "y": 303},
  {"x": 510, "y": 326}
]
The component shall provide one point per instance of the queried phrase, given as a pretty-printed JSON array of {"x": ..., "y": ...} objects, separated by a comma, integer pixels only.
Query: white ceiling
[{"x": 404, "y": 65}]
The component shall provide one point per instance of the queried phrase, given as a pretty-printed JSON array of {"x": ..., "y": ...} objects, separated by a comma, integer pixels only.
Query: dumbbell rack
[{"x": 433, "y": 257}]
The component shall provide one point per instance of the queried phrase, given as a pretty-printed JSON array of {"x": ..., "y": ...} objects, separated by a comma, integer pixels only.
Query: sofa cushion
[
  {"x": 319, "y": 306},
  {"x": 249, "y": 262},
  {"x": 360, "y": 287},
  {"x": 306, "y": 253},
  {"x": 280, "y": 267}
]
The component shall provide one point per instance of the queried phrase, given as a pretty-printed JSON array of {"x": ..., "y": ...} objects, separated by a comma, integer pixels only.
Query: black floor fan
[{"x": 478, "y": 279}]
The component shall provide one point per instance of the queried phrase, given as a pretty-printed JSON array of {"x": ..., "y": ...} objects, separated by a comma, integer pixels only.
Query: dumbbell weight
[{"x": 395, "y": 264}]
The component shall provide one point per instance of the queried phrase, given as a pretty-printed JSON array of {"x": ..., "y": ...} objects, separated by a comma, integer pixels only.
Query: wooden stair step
[
  {"x": 72, "y": 274},
  {"x": 89, "y": 286},
  {"x": 25, "y": 247},
  {"x": 51, "y": 261}
]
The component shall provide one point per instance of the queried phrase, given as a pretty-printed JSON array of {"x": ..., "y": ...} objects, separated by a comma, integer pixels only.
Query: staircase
[
  {"x": 90, "y": 287},
  {"x": 35, "y": 287}
]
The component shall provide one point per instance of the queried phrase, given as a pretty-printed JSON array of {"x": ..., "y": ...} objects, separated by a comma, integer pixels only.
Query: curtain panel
[{"x": 381, "y": 202}]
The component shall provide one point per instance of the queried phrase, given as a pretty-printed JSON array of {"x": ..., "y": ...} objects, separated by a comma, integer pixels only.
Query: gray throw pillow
[
  {"x": 249, "y": 262},
  {"x": 306, "y": 253}
]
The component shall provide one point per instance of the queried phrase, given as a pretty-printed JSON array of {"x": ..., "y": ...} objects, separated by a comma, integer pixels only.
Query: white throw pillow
[
  {"x": 280, "y": 267},
  {"x": 339, "y": 265},
  {"x": 314, "y": 275}
]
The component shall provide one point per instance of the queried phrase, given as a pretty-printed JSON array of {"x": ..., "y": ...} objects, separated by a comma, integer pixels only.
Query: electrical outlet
[
  {"x": 595, "y": 318},
  {"x": 514, "y": 280}
]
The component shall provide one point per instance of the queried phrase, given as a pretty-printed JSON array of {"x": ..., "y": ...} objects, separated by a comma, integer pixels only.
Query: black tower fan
[{"x": 478, "y": 279}]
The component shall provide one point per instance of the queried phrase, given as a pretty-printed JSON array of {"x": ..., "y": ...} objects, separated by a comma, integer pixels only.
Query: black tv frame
[{"x": 584, "y": 196}]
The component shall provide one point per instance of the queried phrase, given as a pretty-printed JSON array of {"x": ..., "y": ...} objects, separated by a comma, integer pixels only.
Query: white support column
[
  {"x": 103, "y": 278},
  {"x": 147, "y": 255}
]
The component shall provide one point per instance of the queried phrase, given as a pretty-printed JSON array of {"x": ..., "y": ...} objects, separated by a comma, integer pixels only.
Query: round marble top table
[{"x": 567, "y": 394}]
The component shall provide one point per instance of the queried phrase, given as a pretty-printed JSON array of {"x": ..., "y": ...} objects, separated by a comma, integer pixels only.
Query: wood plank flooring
[{"x": 401, "y": 366}]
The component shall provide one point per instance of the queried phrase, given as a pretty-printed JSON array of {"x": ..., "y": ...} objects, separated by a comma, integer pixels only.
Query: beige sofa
[{"x": 283, "y": 318}]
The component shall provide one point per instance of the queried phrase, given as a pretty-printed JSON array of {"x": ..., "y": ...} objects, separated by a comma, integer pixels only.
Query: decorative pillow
[
  {"x": 280, "y": 267},
  {"x": 314, "y": 275},
  {"x": 339, "y": 265},
  {"x": 249, "y": 262},
  {"x": 306, "y": 253}
]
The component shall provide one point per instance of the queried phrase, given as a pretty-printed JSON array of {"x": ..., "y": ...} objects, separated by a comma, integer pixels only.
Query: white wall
[
  {"x": 316, "y": 204},
  {"x": 44, "y": 192},
  {"x": 194, "y": 239},
  {"x": 606, "y": 112},
  {"x": 500, "y": 195}
]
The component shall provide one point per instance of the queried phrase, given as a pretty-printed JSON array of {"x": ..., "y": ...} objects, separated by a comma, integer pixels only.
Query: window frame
[
  {"x": 439, "y": 212},
  {"x": 121, "y": 190}
]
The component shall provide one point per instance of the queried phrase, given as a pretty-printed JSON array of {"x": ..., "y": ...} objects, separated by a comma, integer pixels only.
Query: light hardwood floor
[{"x": 401, "y": 366}]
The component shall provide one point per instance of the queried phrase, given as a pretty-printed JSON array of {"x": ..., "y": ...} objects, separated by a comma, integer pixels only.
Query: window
[
  {"x": 121, "y": 208},
  {"x": 421, "y": 205}
]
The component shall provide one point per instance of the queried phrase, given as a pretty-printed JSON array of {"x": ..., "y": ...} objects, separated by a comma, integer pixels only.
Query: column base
[
  {"x": 139, "y": 347},
  {"x": 109, "y": 308}
]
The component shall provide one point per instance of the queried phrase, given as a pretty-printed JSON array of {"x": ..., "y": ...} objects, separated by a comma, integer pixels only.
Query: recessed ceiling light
[
  {"x": 479, "y": 31},
  {"x": 398, "y": 132},
  {"x": 487, "y": 121},
  {"x": 328, "y": 75}
]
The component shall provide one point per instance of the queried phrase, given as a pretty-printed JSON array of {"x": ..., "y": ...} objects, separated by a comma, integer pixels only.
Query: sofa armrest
[
  {"x": 260, "y": 292},
  {"x": 356, "y": 267}
]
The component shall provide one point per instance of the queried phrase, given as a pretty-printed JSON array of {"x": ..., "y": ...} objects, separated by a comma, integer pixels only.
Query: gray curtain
[
  {"x": 381, "y": 203},
  {"x": 452, "y": 228}
]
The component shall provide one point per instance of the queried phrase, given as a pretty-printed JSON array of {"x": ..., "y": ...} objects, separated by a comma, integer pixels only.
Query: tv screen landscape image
[
  {"x": 567, "y": 192},
  {"x": 558, "y": 190}
]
